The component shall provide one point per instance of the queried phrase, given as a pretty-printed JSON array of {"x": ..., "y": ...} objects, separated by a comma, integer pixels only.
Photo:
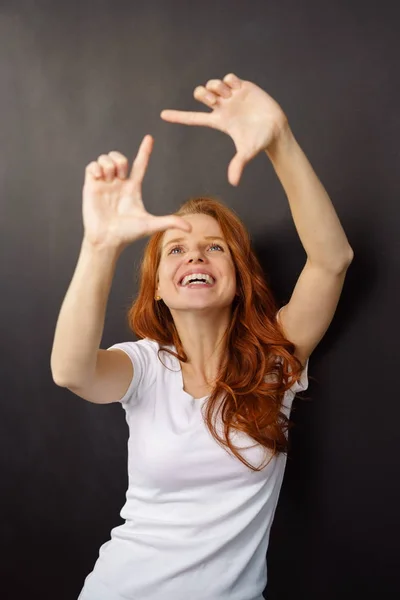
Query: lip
[{"x": 194, "y": 271}]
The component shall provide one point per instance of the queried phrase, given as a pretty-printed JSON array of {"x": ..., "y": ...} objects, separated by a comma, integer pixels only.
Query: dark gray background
[{"x": 82, "y": 78}]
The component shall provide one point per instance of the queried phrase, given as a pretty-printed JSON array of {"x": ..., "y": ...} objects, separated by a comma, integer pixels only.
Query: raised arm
[
  {"x": 114, "y": 217},
  {"x": 256, "y": 123}
]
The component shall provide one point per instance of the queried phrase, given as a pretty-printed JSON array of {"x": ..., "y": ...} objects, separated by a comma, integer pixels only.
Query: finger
[
  {"x": 219, "y": 88},
  {"x": 168, "y": 222},
  {"x": 93, "y": 171},
  {"x": 202, "y": 95},
  {"x": 108, "y": 166},
  {"x": 141, "y": 161},
  {"x": 233, "y": 81},
  {"x": 187, "y": 117},
  {"x": 121, "y": 163},
  {"x": 235, "y": 169}
]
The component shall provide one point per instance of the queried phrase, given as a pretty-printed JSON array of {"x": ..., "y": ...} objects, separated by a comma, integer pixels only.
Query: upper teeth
[{"x": 188, "y": 278}]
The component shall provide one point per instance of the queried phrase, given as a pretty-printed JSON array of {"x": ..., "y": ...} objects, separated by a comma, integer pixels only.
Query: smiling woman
[
  {"x": 237, "y": 313},
  {"x": 209, "y": 385},
  {"x": 198, "y": 252}
]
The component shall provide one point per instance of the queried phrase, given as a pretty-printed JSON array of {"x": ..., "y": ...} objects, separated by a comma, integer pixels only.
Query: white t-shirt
[{"x": 197, "y": 520}]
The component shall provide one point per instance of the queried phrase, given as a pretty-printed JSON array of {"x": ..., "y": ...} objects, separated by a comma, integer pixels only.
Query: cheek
[
  {"x": 167, "y": 273},
  {"x": 232, "y": 270}
]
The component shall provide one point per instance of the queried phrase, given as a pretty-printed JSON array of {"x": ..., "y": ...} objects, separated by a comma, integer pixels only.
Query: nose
[{"x": 195, "y": 256}]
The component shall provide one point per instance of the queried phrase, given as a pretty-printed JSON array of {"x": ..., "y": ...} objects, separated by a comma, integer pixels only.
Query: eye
[
  {"x": 211, "y": 246},
  {"x": 175, "y": 248}
]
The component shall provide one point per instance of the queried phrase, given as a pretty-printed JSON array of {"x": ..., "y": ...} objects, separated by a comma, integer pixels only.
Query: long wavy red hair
[{"x": 253, "y": 342}]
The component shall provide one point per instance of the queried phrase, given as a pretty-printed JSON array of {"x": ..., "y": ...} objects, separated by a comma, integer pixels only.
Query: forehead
[{"x": 202, "y": 226}]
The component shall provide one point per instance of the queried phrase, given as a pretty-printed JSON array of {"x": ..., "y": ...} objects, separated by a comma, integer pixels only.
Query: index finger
[
  {"x": 142, "y": 159},
  {"x": 186, "y": 117}
]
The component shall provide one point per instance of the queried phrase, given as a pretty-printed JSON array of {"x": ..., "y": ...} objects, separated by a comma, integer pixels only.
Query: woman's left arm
[
  {"x": 311, "y": 308},
  {"x": 256, "y": 123},
  {"x": 314, "y": 216}
]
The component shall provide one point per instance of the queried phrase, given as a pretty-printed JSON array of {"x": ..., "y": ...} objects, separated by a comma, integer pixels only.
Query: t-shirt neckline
[{"x": 179, "y": 375}]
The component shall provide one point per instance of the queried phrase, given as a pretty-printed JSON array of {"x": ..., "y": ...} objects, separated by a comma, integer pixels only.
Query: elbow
[
  {"x": 344, "y": 263},
  {"x": 351, "y": 256},
  {"x": 58, "y": 380},
  {"x": 349, "y": 259},
  {"x": 337, "y": 264}
]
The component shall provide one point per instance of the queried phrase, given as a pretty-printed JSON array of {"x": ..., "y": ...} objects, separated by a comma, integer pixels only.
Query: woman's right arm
[
  {"x": 113, "y": 216},
  {"x": 77, "y": 362}
]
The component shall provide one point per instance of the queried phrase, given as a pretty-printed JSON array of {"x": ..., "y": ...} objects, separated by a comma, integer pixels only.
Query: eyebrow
[{"x": 181, "y": 239}]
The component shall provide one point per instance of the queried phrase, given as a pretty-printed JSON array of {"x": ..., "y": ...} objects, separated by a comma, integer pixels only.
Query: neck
[{"x": 202, "y": 337}]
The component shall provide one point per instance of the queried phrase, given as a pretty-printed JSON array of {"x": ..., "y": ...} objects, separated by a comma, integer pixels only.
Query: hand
[
  {"x": 113, "y": 211},
  {"x": 242, "y": 110}
]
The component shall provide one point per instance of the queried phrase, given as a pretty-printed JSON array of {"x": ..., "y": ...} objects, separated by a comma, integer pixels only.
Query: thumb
[
  {"x": 235, "y": 169},
  {"x": 168, "y": 222}
]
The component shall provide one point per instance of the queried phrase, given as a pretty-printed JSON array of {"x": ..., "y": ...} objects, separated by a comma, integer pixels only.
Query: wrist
[
  {"x": 105, "y": 249},
  {"x": 283, "y": 141}
]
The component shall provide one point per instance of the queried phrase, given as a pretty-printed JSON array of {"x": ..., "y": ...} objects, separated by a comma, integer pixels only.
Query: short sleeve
[
  {"x": 142, "y": 355},
  {"x": 298, "y": 386},
  {"x": 302, "y": 384}
]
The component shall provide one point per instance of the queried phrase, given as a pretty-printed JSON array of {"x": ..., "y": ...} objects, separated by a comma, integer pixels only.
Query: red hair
[{"x": 254, "y": 343}]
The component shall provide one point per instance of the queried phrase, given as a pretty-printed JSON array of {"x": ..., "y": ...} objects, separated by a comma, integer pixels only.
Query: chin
[{"x": 199, "y": 304}]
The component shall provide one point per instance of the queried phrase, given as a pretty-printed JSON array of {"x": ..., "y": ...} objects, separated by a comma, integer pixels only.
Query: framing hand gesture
[
  {"x": 113, "y": 209},
  {"x": 242, "y": 110}
]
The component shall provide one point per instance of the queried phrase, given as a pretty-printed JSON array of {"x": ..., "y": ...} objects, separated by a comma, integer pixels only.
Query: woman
[{"x": 208, "y": 387}]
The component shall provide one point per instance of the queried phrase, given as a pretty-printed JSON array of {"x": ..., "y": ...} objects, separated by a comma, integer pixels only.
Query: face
[{"x": 205, "y": 250}]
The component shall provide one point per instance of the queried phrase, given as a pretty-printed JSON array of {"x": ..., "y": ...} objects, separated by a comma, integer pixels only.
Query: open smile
[
  {"x": 197, "y": 285},
  {"x": 197, "y": 279}
]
